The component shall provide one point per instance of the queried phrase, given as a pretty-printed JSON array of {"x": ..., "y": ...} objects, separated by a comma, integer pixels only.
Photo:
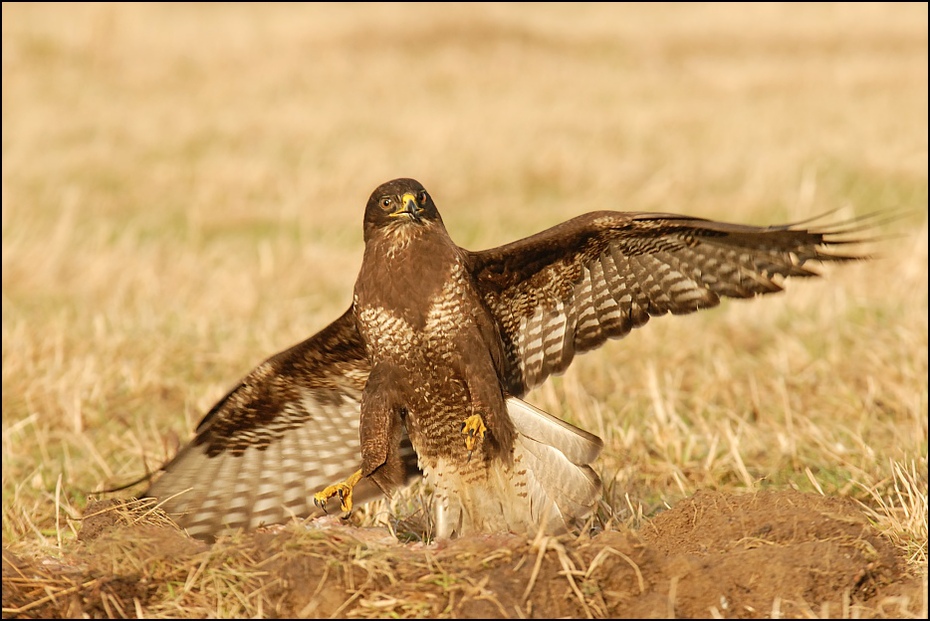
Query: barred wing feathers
[
  {"x": 569, "y": 288},
  {"x": 289, "y": 429}
]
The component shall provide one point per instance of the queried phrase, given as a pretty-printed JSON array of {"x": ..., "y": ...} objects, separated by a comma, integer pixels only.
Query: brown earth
[{"x": 767, "y": 554}]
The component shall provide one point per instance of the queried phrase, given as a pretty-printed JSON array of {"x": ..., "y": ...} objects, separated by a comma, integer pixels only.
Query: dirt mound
[{"x": 761, "y": 555}]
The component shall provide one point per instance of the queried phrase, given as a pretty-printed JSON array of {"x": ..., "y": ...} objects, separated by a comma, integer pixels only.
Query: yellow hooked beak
[{"x": 411, "y": 207}]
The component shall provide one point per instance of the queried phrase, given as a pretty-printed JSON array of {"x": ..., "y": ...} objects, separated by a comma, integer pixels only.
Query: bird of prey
[{"x": 423, "y": 375}]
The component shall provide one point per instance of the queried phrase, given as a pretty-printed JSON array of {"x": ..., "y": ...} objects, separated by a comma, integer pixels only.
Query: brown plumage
[{"x": 438, "y": 335}]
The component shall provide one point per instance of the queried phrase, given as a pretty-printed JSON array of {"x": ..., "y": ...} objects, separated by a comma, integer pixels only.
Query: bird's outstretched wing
[
  {"x": 569, "y": 288},
  {"x": 289, "y": 429}
]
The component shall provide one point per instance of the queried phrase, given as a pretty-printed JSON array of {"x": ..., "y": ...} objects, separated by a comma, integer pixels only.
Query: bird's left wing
[
  {"x": 289, "y": 429},
  {"x": 569, "y": 288}
]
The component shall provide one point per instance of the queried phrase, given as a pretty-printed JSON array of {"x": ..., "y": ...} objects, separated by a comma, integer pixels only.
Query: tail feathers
[
  {"x": 557, "y": 458},
  {"x": 578, "y": 446},
  {"x": 572, "y": 488}
]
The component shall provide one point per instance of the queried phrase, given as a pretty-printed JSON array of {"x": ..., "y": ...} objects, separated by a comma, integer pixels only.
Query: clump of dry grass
[
  {"x": 900, "y": 509},
  {"x": 822, "y": 556},
  {"x": 178, "y": 207}
]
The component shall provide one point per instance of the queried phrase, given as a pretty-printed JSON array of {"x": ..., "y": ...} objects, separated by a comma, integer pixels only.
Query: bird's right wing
[
  {"x": 569, "y": 288},
  {"x": 288, "y": 430}
]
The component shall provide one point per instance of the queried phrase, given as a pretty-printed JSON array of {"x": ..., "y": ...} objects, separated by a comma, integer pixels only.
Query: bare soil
[{"x": 766, "y": 554}]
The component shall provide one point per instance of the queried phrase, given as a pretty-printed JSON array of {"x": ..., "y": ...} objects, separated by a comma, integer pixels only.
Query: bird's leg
[
  {"x": 473, "y": 429},
  {"x": 343, "y": 489}
]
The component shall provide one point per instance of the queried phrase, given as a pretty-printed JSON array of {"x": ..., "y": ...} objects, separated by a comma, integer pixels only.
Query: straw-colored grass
[{"x": 182, "y": 195}]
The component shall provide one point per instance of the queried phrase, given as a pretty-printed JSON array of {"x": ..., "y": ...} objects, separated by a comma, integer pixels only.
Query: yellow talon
[
  {"x": 473, "y": 429},
  {"x": 342, "y": 489}
]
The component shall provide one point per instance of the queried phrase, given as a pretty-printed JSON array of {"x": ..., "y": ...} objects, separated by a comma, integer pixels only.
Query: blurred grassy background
[{"x": 183, "y": 188}]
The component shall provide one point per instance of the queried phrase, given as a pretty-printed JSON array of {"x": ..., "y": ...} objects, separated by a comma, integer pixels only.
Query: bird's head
[{"x": 400, "y": 204}]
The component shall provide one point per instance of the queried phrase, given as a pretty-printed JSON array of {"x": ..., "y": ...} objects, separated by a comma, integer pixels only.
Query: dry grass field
[{"x": 183, "y": 188}]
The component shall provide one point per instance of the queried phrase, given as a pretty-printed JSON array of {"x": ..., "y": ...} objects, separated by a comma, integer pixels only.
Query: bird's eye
[
  {"x": 422, "y": 197},
  {"x": 386, "y": 202}
]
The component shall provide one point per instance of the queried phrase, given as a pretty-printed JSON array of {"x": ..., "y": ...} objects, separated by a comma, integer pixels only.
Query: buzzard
[{"x": 423, "y": 375}]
